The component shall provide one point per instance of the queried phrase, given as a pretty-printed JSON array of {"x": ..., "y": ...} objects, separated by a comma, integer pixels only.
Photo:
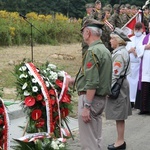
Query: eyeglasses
[{"x": 82, "y": 30}]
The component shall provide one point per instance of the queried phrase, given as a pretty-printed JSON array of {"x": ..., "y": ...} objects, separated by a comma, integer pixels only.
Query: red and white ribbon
[
  {"x": 58, "y": 98},
  {"x": 39, "y": 79},
  {"x": 109, "y": 25},
  {"x": 44, "y": 90}
]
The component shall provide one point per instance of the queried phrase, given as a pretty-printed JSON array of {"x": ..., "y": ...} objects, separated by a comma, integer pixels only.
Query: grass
[{"x": 68, "y": 59}]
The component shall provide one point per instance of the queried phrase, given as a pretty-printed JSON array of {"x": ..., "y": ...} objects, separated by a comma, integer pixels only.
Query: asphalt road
[{"x": 137, "y": 133}]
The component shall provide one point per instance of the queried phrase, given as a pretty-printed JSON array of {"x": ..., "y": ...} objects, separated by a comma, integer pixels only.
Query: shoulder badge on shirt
[
  {"x": 89, "y": 65},
  {"x": 117, "y": 64}
]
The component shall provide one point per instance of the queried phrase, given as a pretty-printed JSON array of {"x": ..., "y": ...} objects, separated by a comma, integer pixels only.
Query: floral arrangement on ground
[
  {"x": 46, "y": 99},
  {"x": 4, "y": 126}
]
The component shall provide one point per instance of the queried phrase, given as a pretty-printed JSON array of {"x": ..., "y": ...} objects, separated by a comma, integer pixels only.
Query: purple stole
[{"x": 145, "y": 41}]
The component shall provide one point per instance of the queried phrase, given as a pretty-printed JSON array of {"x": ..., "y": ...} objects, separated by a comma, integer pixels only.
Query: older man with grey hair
[{"x": 93, "y": 84}]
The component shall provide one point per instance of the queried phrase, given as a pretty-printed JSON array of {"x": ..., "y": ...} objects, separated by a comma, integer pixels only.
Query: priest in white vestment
[{"x": 136, "y": 50}]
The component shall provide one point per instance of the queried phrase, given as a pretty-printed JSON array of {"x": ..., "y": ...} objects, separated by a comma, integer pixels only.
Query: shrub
[{"x": 45, "y": 29}]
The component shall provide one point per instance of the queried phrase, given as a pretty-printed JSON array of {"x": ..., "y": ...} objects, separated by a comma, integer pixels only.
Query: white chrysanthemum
[
  {"x": 26, "y": 93},
  {"x": 44, "y": 71},
  {"x": 61, "y": 73},
  {"x": 48, "y": 69},
  {"x": 62, "y": 145},
  {"x": 34, "y": 88},
  {"x": 52, "y": 66},
  {"x": 34, "y": 80},
  {"x": 47, "y": 83},
  {"x": 53, "y": 77},
  {"x": 54, "y": 145},
  {"x": 29, "y": 73},
  {"x": 51, "y": 72},
  {"x": 23, "y": 76},
  {"x": 24, "y": 86},
  {"x": 57, "y": 142},
  {"x": 23, "y": 68}
]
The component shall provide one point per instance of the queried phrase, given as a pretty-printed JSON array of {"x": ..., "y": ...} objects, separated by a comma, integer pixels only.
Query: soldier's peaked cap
[
  {"x": 97, "y": 2},
  {"x": 92, "y": 23},
  {"x": 89, "y": 5}
]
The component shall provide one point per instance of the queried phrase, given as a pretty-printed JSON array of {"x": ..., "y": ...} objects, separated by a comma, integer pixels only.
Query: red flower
[
  {"x": 36, "y": 114},
  {"x": 1, "y": 111},
  {"x": 66, "y": 98},
  {"x": 1, "y": 122},
  {"x": 43, "y": 103},
  {"x": 53, "y": 101},
  {"x": 40, "y": 123},
  {"x": 52, "y": 92},
  {"x": 39, "y": 97},
  {"x": 52, "y": 128},
  {"x": 29, "y": 101},
  {"x": 1, "y": 143},
  {"x": 59, "y": 83},
  {"x": 56, "y": 118},
  {"x": 64, "y": 112},
  {"x": 55, "y": 109}
]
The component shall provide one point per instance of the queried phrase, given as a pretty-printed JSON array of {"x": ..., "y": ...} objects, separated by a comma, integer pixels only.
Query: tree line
[{"x": 70, "y": 8}]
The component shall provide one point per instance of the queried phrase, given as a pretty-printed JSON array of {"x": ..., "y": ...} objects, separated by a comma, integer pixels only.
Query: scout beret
[
  {"x": 121, "y": 34},
  {"x": 97, "y": 2},
  {"x": 92, "y": 23},
  {"x": 89, "y": 5}
]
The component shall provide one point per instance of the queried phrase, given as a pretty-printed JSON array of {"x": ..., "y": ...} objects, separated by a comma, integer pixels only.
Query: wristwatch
[{"x": 86, "y": 105}]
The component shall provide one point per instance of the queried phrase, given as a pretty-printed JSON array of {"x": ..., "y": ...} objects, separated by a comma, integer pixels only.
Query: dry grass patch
[{"x": 67, "y": 57}]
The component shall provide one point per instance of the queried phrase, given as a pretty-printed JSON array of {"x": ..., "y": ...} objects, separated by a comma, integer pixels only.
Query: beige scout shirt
[
  {"x": 120, "y": 58},
  {"x": 96, "y": 70}
]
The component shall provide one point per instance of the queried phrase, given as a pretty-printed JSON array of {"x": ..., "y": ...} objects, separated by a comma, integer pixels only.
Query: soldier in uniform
[
  {"x": 115, "y": 19},
  {"x": 133, "y": 10},
  {"x": 107, "y": 28},
  {"x": 93, "y": 83},
  {"x": 98, "y": 14},
  {"x": 109, "y": 6},
  {"x": 89, "y": 10},
  {"x": 89, "y": 15},
  {"x": 128, "y": 11},
  {"x": 122, "y": 15}
]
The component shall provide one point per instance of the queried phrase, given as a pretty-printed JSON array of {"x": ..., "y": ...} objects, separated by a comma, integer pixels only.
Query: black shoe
[
  {"x": 143, "y": 112},
  {"x": 132, "y": 104},
  {"x": 121, "y": 147}
]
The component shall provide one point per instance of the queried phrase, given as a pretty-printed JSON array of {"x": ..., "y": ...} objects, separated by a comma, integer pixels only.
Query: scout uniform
[
  {"x": 95, "y": 73},
  {"x": 120, "y": 108},
  {"x": 93, "y": 63}
]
